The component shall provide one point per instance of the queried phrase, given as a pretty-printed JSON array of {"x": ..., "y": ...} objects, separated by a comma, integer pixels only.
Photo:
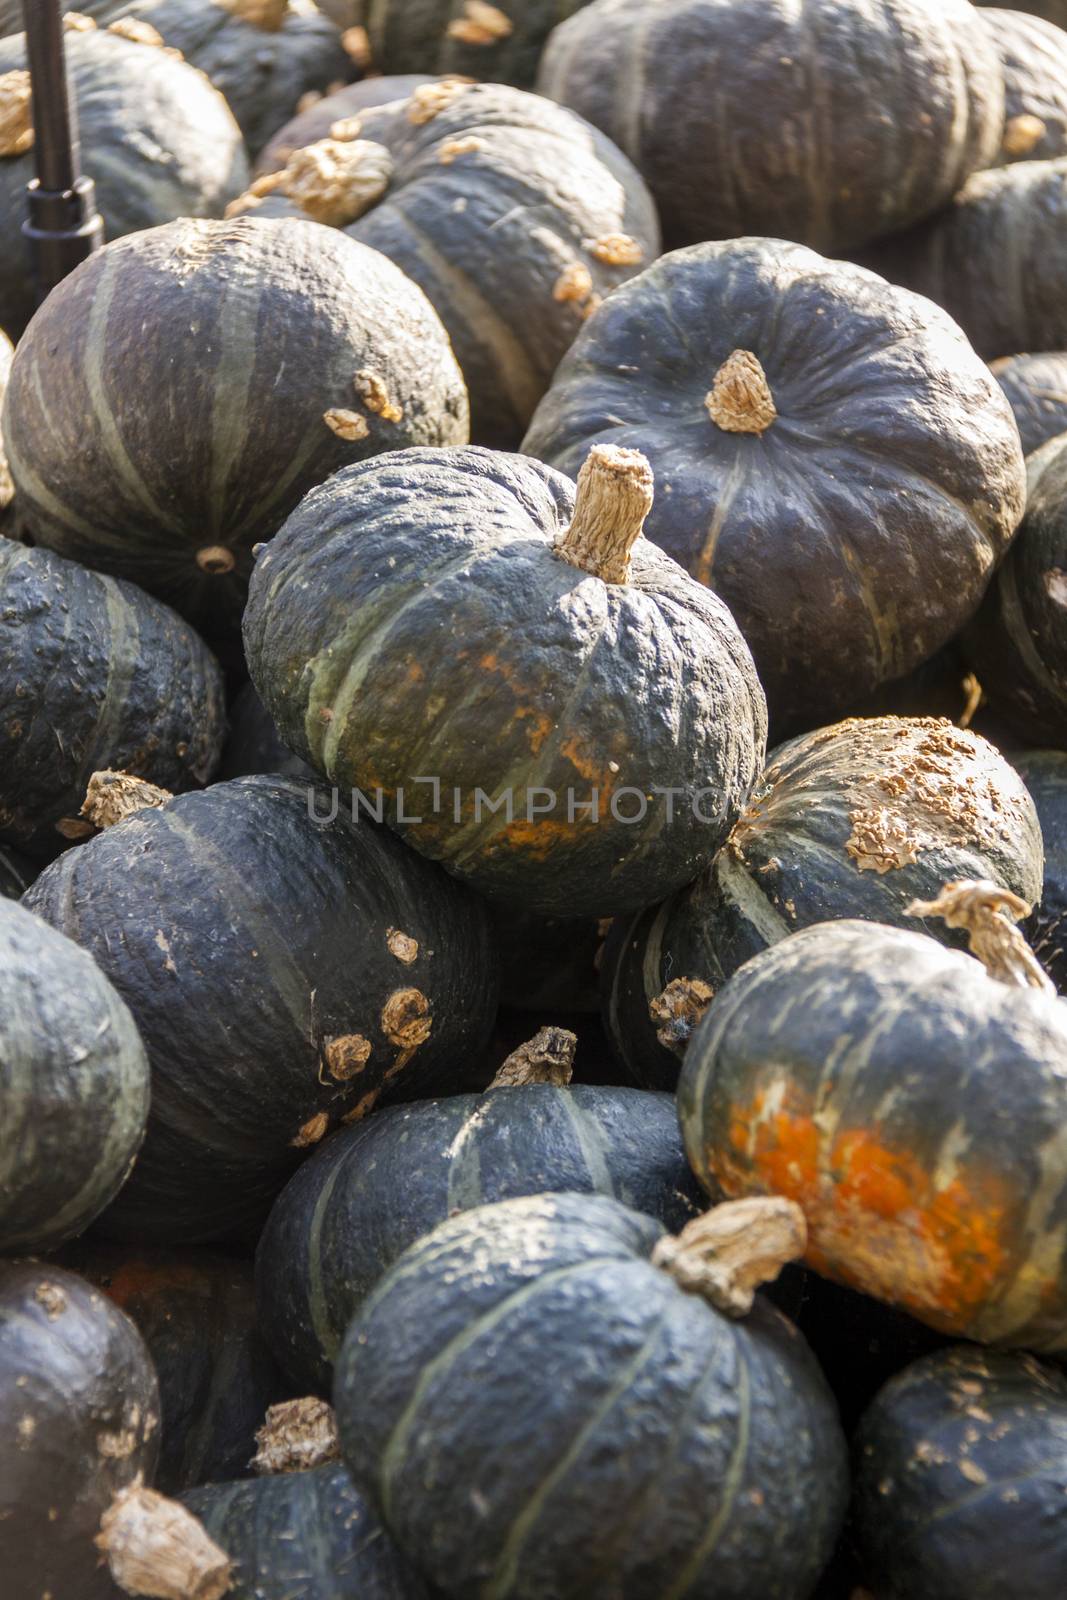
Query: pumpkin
[
  {"x": 337, "y": 1226},
  {"x": 157, "y": 139},
  {"x": 1045, "y": 775},
  {"x": 79, "y": 1415},
  {"x": 855, "y": 820},
  {"x": 7, "y": 488},
  {"x": 95, "y": 675},
  {"x": 961, "y": 1470},
  {"x": 476, "y": 623},
  {"x": 303, "y": 1536},
  {"x": 1036, "y": 387},
  {"x": 16, "y": 873},
  {"x": 1017, "y": 644},
  {"x": 1054, "y": 11},
  {"x": 73, "y": 1086},
  {"x": 869, "y": 1074},
  {"x": 284, "y": 972},
  {"x": 1033, "y": 56},
  {"x": 830, "y": 455},
  {"x": 183, "y": 389},
  {"x": 195, "y": 1311},
  {"x": 317, "y": 120},
  {"x": 513, "y": 215},
  {"x": 646, "y": 1457},
  {"x": 714, "y": 105},
  {"x": 253, "y": 744}
]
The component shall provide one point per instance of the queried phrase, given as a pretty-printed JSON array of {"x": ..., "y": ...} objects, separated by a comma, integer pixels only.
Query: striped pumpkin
[
  {"x": 1036, "y": 387},
  {"x": 315, "y": 121}
]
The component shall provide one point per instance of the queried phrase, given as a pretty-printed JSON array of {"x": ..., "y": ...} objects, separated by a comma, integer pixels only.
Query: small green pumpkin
[
  {"x": 1033, "y": 56},
  {"x": 1036, "y": 387},
  {"x": 1045, "y": 775}
]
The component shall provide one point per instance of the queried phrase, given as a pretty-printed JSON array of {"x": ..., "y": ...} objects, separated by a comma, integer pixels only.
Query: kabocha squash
[
  {"x": 714, "y": 104},
  {"x": 158, "y": 140},
  {"x": 870, "y": 1074},
  {"x": 478, "y": 623},
  {"x": 73, "y": 1086},
  {"x": 371, "y": 1191},
  {"x": 253, "y": 744},
  {"x": 673, "y": 1445},
  {"x": 79, "y": 1416},
  {"x": 830, "y": 456},
  {"x": 318, "y": 120},
  {"x": 961, "y": 1472},
  {"x": 284, "y": 973},
  {"x": 1045, "y": 775},
  {"x": 1036, "y": 387},
  {"x": 183, "y": 389},
  {"x": 1033, "y": 56},
  {"x": 512, "y": 214},
  {"x": 855, "y": 820},
  {"x": 94, "y": 674}
]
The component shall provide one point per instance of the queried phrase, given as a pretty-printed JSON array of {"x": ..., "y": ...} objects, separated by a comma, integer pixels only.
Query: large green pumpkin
[
  {"x": 1033, "y": 55},
  {"x": 830, "y": 456},
  {"x": 1036, "y": 387}
]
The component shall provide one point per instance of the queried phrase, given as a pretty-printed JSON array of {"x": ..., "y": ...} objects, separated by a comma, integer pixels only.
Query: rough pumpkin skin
[
  {"x": 912, "y": 1106},
  {"x": 855, "y": 820},
  {"x": 316, "y": 121},
  {"x": 1045, "y": 774},
  {"x": 1033, "y": 56},
  {"x": 174, "y": 401},
  {"x": 961, "y": 1473},
  {"x": 851, "y": 529},
  {"x": 1036, "y": 387}
]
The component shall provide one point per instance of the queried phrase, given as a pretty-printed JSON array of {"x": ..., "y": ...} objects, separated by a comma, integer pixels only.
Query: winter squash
[
  {"x": 1036, "y": 387},
  {"x": 158, "y": 140},
  {"x": 303, "y": 1536},
  {"x": 713, "y": 103},
  {"x": 477, "y": 622},
  {"x": 869, "y": 1073},
  {"x": 195, "y": 1311},
  {"x": 241, "y": 344},
  {"x": 1033, "y": 55},
  {"x": 95, "y": 675},
  {"x": 253, "y": 744},
  {"x": 830, "y": 456},
  {"x": 855, "y": 820},
  {"x": 513, "y": 215},
  {"x": 316, "y": 121},
  {"x": 653, "y": 1444},
  {"x": 1045, "y": 774},
  {"x": 1016, "y": 644},
  {"x": 961, "y": 1469},
  {"x": 73, "y": 1086},
  {"x": 79, "y": 1413},
  {"x": 285, "y": 973},
  {"x": 372, "y": 1190}
]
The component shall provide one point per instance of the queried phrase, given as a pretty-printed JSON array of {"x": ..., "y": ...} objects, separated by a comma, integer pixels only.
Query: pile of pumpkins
[{"x": 473, "y": 1122}]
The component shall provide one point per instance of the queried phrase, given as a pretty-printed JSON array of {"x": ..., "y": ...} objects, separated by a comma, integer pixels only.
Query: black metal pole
[{"x": 64, "y": 226}]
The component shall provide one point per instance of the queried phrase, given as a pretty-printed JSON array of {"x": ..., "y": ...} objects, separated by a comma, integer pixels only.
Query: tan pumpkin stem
[
  {"x": 155, "y": 1547},
  {"x": 337, "y": 180},
  {"x": 16, "y": 116},
  {"x": 740, "y": 399},
  {"x": 678, "y": 1009},
  {"x": 113, "y": 796},
  {"x": 988, "y": 914},
  {"x": 613, "y": 498},
  {"x": 1022, "y": 134},
  {"x": 267, "y": 15},
  {"x": 546, "y": 1058},
  {"x": 296, "y": 1436},
  {"x": 215, "y": 559},
  {"x": 728, "y": 1252}
]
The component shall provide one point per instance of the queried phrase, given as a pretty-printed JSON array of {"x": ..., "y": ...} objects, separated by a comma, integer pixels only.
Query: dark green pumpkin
[
  {"x": 912, "y": 1106},
  {"x": 169, "y": 407},
  {"x": 1045, "y": 775},
  {"x": 79, "y": 1417},
  {"x": 446, "y": 639},
  {"x": 585, "y": 1426},
  {"x": 73, "y": 1086},
  {"x": 1033, "y": 56},
  {"x": 158, "y": 140},
  {"x": 94, "y": 675},
  {"x": 253, "y": 744},
  {"x": 800, "y": 122},
  {"x": 284, "y": 973},
  {"x": 315, "y": 121},
  {"x": 856, "y": 820},
  {"x": 371, "y": 1191},
  {"x": 830, "y": 456},
  {"x": 961, "y": 1475},
  {"x": 1036, "y": 387}
]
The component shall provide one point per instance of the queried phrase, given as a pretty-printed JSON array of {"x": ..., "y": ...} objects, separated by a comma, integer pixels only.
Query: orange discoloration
[
  {"x": 142, "y": 1280},
  {"x": 540, "y": 725},
  {"x": 538, "y": 839}
]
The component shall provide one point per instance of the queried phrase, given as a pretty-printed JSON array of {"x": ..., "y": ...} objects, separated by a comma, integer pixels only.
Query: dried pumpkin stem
[
  {"x": 727, "y": 1253},
  {"x": 296, "y": 1436},
  {"x": 16, "y": 124},
  {"x": 988, "y": 914},
  {"x": 613, "y": 499},
  {"x": 267, "y": 15},
  {"x": 546, "y": 1058},
  {"x": 155, "y": 1547},
  {"x": 740, "y": 399},
  {"x": 678, "y": 1009},
  {"x": 336, "y": 180},
  {"x": 215, "y": 559},
  {"x": 113, "y": 796}
]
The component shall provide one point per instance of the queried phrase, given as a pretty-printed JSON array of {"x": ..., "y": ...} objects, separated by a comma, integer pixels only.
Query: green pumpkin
[
  {"x": 1033, "y": 55},
  {"x": 316, "y": 121},
  {"x": 1036, "y": 387},
  {"x": 1045, "y": 774}
]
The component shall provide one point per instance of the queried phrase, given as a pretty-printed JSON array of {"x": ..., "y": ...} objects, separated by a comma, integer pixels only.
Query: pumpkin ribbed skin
[
  {"x": 256, "y": 959},
  {"x": 1033, "y": 55},
  {"x": 303, "y": 1536},
  {"x": 714, "y": 105},
  {"x": 961, "y": 1473},
  {"x": 856, "y": 533},
  {"x": 870, "y": 1074},
  {"x": 1045, "y": 775},
  {"x": 170, "y": 401},
  {"x": 855, "y": 820},
  {"x": 73, "y": 1086},
  {"x": 352, "y": 1210},
  {"x": 1036, "y": 387},
  {"x": 156, "y": 137},
  {"x": 79, "y": 1414},
  {"x": 646, "y": 1457},
  {"x": 95, "y": 675},
  {"x": 445, "y": 638},
  {"x": 314, "y": 123}
]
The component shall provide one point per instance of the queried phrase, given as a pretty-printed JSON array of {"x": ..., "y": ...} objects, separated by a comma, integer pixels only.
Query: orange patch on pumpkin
[
  {"x": 537, "y": 839},
  {"x": 540, "y": 725},
  {"x": 141, "y": 1280}
]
